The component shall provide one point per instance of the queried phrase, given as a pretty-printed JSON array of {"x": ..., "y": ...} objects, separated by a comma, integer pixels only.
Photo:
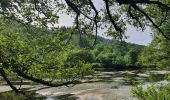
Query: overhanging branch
[
  {"x": 117, "y": 28},
  {"x": 15, "y": 68},
  {"x": 143, "y": 2},
  {"x": 148, "y": 17},
  {"x": 2, "y": 72}
]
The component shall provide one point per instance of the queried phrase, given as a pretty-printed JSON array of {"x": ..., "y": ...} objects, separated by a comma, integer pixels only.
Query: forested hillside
[
  {"x": 29, "y": 44},
  {"x": 108, "y": 53}
]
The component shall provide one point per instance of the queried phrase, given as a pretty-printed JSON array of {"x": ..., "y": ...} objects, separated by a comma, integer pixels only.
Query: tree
[
  {"x": 37, "y": 55},
  {"x": 131, "y": 57},
  {"x": 158, "y": 51},
  {"x": 87, "y": 16},
  {"x": 43, "y": 13},
  {"x": 82, "y": 55}
]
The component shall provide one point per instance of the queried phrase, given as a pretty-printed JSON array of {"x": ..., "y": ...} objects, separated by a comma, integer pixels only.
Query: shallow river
[{"x": 115, "y": 85}]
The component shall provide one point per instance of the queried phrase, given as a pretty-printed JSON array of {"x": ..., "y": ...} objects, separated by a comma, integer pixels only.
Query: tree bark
[{"x": 8, "y": 81}]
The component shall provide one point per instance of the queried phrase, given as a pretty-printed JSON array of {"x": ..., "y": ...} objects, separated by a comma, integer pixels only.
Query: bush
[{"x": 159, "y": 92}]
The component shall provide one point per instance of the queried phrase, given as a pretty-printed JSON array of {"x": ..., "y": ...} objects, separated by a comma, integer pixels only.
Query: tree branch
[
  {"x": 110, "y": 17},
  {"x": 147, "y": 16},
  {"x": 2, "y": 72},
  {"x": 95, "y": 20},
  {"x": 143, "y": 2},
  {"x": 132, "y": 16},
  {"x": 15, "y": 67}
]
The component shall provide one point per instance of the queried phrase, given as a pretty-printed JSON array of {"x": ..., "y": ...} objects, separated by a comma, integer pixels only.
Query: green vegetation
[
  {"x": 158, "y": 51},
  {"x": 156, "y": 54},
  {"x": 114, "y": 21},
  {"x": 41, "y": 56},
  {"x": 53, "y": 58},
  {"x": 13, "y": 96},
  {"x": 31, "y": 48},
  {"x": 152, "y": 92},
  {"x": 108, "y": 53}
]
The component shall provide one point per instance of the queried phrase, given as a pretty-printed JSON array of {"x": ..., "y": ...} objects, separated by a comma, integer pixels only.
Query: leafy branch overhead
[
  {"x": 38, "y": 55},
  {"x": 113, "y": 14}
]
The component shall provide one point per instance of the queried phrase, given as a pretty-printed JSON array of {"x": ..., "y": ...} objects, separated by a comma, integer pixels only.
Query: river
[{"x": 104, "y": 85}]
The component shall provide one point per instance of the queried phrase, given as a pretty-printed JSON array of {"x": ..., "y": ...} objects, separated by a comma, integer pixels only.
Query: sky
[
  {"x": 139, "y": 37},
  {"x": 134, "y": 36}
]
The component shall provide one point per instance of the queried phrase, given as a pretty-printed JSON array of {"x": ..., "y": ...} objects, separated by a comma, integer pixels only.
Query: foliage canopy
[{"x": 114, "y": 15}]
